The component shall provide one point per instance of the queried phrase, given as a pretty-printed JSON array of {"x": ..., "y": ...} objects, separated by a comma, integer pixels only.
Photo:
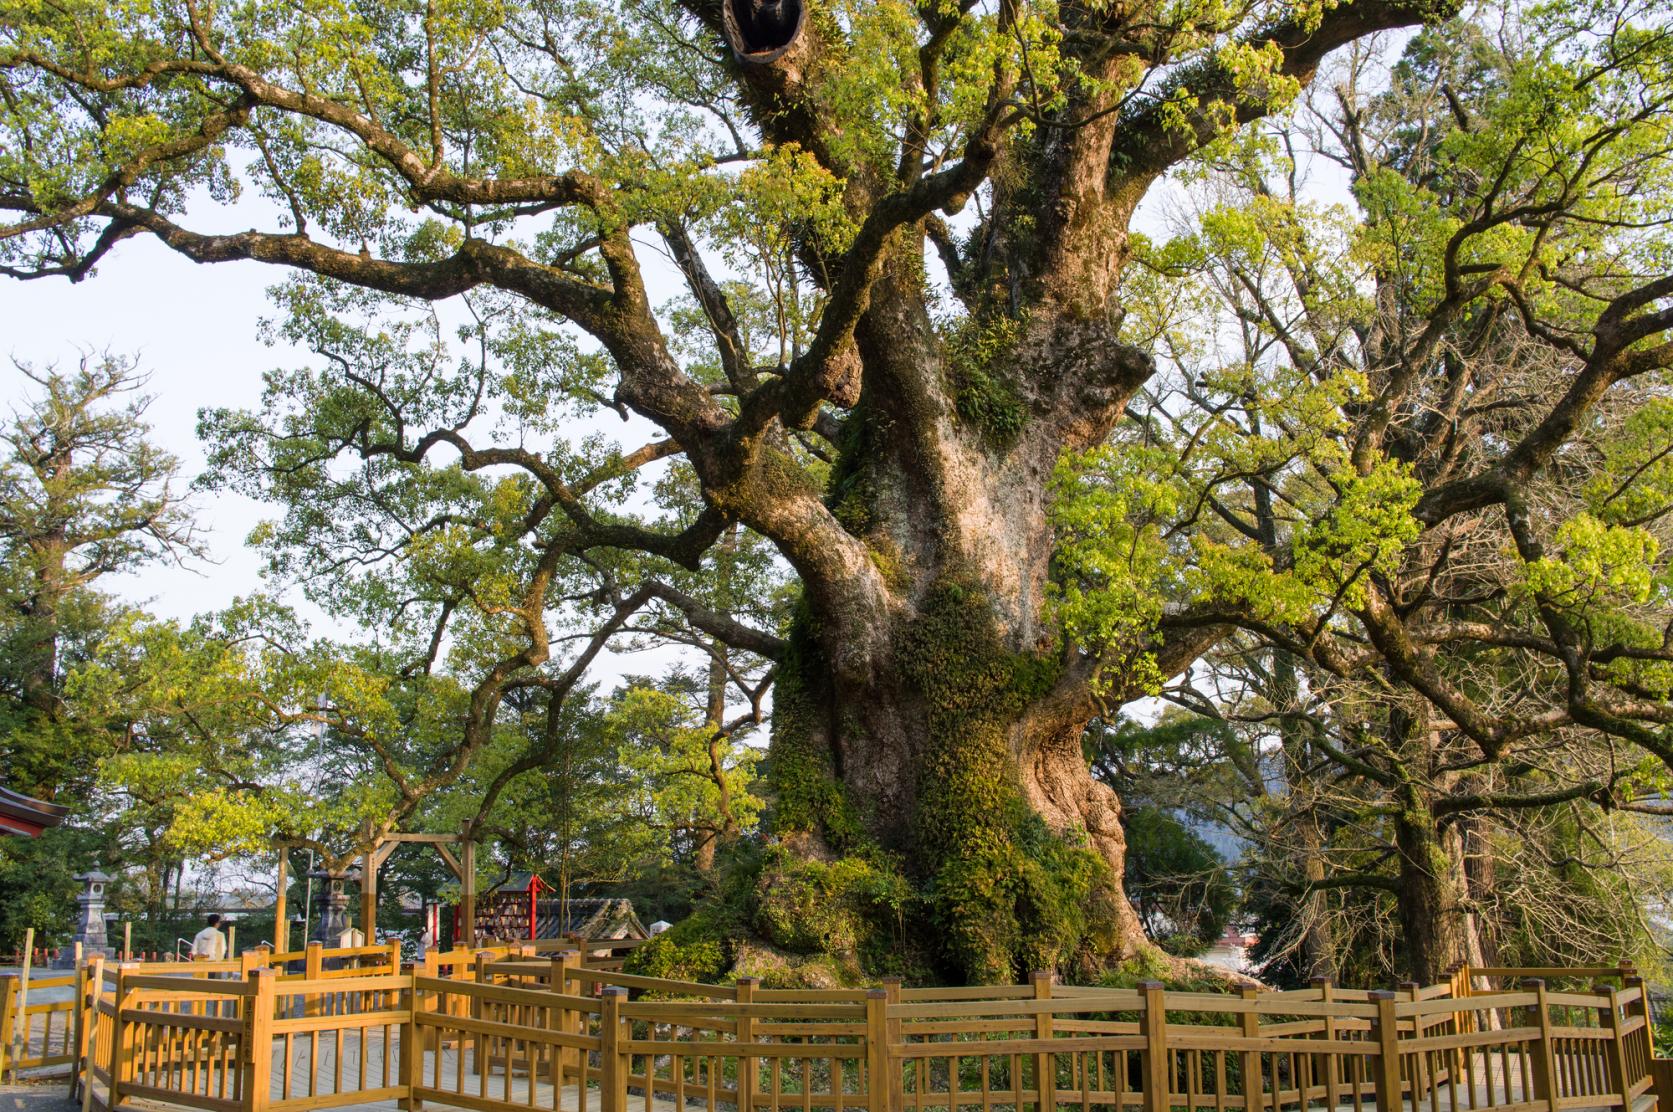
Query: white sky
[{"x": 193, "y": 329}]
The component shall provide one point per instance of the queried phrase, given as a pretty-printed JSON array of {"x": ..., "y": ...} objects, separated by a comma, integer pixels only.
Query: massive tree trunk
[
  {"x": 929, "y": 708},
  {"x": 1433, "y": 897},
  {"x": 962, "y": 753}
]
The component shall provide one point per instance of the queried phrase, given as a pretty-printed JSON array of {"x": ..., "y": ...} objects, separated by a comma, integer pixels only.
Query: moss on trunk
[
  {"x": 971, "y": 867},
  {"x": 807, "y": 794},
  {"x": 969, "y": 885},
  {"x": 1005, "y": 893}
]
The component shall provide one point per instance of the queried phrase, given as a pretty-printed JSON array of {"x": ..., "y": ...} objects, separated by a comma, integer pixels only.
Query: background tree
[
  {"x": 1467, "y": 682},
  {"x": 85, "y": 494},
  {"x": 1178, "y": 883},
  {"x": 691, "y": 776}
]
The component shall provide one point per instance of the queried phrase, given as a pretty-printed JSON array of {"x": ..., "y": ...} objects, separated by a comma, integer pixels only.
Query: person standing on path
[{"x": 210, "y": 944}]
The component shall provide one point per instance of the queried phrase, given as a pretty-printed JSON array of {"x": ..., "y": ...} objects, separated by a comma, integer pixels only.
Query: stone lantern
[
  {"x": 331, "y": 907},
  {"x": 90, "y": 915}
]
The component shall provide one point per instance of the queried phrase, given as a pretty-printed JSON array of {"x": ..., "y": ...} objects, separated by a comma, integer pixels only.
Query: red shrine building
[{"x": 20, "y": 814}]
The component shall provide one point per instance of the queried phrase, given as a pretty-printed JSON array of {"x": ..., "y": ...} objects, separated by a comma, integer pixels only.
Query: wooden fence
[
  {"x": 517, "y": 1028},
  {"x": 46, "y": 1032},
  {"x": 37, "y": 1033}
]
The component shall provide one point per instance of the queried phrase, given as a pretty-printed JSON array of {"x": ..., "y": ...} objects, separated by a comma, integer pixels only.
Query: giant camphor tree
[{"x": 895, "y": 446}]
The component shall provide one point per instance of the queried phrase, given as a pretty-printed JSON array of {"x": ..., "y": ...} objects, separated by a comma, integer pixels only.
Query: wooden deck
[
  {"x": 351, "y": 1072},
  {"x": 51, "y": 1098}
]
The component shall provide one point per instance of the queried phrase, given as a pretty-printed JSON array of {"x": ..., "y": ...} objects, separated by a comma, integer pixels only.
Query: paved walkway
[
  {"x": 325, "y": 1068},
  {"x": 52, "y": 1097},
  {"x": 328, "y": 1067}
]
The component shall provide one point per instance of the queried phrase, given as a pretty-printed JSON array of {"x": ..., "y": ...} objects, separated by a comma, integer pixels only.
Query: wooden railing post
[
  {"x": 19, "y": 1041},
  {"x": 614, "y": 1064},
  {"x": 1644, "y": 1036},
  {"x": 747, "y": 1063},
  {"x": 89, "y": 980},
  {"x": 1155, "y": 1069},
  {"x": 1327, "y": 993},
  {"x": 1454, "y": 990},
  {"x": 1253, "y": 1087},
  {"x": 1387, "y": 1037},
  {"x": 896, "y": 1076},
  {"x": 479, "y": 1010},
  {"x": 258, "y": 1041},
  {"x": 459, "y": 1005},
  {"x": 1620, "y": 1076},
  {"x": 90, "y": 1054},
  {"x": 1420, "y": 1028},
  {"x": 555, "y": 1058},
  {"x": 118, "y": 1039},
  {"x": 877, "y": 1053},
  {"x": 1045, "y": 1062},
  {"x": 313, "y": 964},
  {"x": 248, "y": 963},
  {"x": 77, "y": 1018},
  {"x": 570, "y": 1021},
  {"x": 1546, "y": 1085},
  {"x": 413, "y": 1038},
  {"x": 1463, "y": 1021},
  {"x": 8, "y": 1018}
]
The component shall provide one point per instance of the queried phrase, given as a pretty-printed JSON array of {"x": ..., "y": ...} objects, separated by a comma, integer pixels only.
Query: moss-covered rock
[
  {"x": 800, "y": 908},
  {"x": 700, "y": 947},
  {"x": 777, "y": 969},
  {"x": 807, "y": 906}
]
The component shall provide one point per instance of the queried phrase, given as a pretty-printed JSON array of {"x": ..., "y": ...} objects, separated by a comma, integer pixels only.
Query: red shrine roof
[{"x": 20, "y": 814}]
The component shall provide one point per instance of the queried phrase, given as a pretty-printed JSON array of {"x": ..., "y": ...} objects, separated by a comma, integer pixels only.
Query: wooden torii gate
[{"x": 462, "y": 865}]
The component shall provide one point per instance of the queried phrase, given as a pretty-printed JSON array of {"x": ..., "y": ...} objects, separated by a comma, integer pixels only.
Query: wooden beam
[
  {"x": 436, "y": 839},
  {"x": 381, "y": 854},
  {"x": 468, "y": 878},
  {"x": 281, "y": 928},
  {"x": 369, "y": 897},
  {"x": 450, "y": 861}
]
